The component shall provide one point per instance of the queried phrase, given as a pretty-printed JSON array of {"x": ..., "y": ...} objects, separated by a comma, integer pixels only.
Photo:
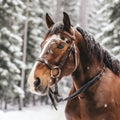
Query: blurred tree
[
  {"x": 84, "y": 11},
  {"x": 11, "y": 19},
  {"x": 95, "y": 19},
  {"x": 24, "y": 52},
  {"x": 58, "y": 14},
  {"x": 35, "y": 33},
  {"x": 114, "y": 32},
  {"x": 72, "y": 8},
  {"x": 104, "y": 24},
  {"x": 36, "y": 29}
]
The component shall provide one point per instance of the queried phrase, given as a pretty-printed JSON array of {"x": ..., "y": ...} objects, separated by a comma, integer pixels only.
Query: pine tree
[
  {"x": 95, "y": 19},
  {"x": 104, "y": 24},
  {"x": 109, "y": 30},
  {"x": 114, "y": 32},
  {"x": 36, "y": 29},
  {"x": 11, "y": 19},
  {"x": 36, "y": 32}
]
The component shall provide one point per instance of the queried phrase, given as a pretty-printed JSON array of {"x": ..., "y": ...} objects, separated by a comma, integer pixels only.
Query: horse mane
[{"x": 100, "y": 53}]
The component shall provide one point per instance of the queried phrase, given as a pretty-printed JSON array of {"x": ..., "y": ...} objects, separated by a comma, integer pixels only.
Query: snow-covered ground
[{"x": 34, "y": 113}]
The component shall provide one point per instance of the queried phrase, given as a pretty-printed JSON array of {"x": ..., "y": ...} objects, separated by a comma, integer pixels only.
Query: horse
[{"x": 95, "y": 73}]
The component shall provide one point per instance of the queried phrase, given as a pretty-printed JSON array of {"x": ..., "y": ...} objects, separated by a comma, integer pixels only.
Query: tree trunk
[
  {"x": 19, "y": 104},
  {"x": 34, "y": 102},
  {"x": 58, "y": 14},
  {"x": 24, "y": 52},
  {"x": 1, "y": 101},
  {"x": 85, "y": 7},
  {"x": 5, "y": 105}
]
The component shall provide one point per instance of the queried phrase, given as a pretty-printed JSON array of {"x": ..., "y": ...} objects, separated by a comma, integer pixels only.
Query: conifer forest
[{"x": 22, "y": 28}]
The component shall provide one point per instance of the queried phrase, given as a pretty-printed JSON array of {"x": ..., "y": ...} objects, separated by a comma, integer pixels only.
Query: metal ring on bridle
[{"x": 58, "y": 74}]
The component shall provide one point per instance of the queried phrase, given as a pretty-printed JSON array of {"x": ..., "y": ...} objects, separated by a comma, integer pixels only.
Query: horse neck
[{"x": 88, "y": 66}]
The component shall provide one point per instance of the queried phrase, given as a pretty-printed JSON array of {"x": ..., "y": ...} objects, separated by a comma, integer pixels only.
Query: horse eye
[
  {"x": 60, "y": 46},
  {"x": 68, "y": 41}
]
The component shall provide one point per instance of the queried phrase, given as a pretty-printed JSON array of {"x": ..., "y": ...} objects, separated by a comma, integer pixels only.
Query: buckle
[{"x": 58, "y": 72}]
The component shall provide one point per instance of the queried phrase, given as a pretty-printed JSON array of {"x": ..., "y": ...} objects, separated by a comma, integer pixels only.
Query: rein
[{"x": 86, "y": 86}]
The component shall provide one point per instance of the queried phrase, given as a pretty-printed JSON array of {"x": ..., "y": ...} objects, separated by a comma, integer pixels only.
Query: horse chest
[
  {"x": 82, "y": 109},
  {"x": 104, "y": 108}
]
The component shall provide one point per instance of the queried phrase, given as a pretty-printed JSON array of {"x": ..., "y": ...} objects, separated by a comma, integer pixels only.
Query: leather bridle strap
[
  {"x": 85, "y": 86},
  {"x": 44, "y": 61}
]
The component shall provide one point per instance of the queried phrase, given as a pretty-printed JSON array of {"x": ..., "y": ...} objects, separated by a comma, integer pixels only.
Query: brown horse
[{"x": 96, "y": 74}]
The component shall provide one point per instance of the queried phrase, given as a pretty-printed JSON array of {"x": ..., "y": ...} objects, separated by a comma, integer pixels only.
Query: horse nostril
[{"x": 37, "y": 82}]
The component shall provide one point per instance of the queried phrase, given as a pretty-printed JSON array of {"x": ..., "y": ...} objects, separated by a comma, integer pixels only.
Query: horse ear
[
  {"x": 49, "y": 21},
  {"x": 66, "y": 21}
]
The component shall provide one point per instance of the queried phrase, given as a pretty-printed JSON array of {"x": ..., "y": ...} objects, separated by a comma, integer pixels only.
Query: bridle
[
  {"x": 54, "y": 95},
  {"x": 72, "y": 49}
]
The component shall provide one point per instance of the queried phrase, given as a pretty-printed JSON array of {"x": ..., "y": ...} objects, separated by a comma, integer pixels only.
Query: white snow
[
  {"x": 4, "y": 30},
  {"x": 20, "y": 63},
  {"x": 103, "y": 8},
  {"x": 4, "y": 83},
  {"x": 35, "y": 113},
  {"x": 4, "y": 73},
  {"x": 105, "y": 105},
  {"x": 19, "y": 90},
  {"x": 13, "y": 67},
  {"x": 106, "y": 40},
  {"x": 108, "y": 28},
  {"x": 116, "y": 48}
]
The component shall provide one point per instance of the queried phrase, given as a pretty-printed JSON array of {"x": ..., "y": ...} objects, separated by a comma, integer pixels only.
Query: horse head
[{"x": 58, "y": 56}]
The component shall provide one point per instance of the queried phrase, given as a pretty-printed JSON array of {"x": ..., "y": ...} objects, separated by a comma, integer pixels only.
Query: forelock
[{"x": 57, "y": 27}]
